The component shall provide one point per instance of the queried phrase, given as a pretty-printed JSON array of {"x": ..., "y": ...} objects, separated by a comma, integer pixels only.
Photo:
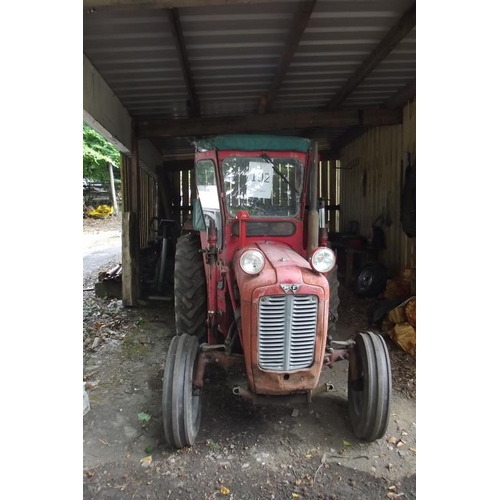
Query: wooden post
[
  {"x": 129, "y": 262},
  {"x": 130, "y": 231},
  {"x": 333, "y": 195},
  {"x": 112, "y": 186}
]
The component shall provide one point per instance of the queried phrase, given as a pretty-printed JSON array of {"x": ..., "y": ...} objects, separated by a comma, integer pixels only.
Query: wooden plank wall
[
  {"x": 184, "y": 184},
  {"x": 148, "y": 199},
  {"x": 148, "y": 207},
  {"x": 327, "y": 190},
  {"x": 381, "y": 155},
  {"x": 125, "y": 175},
  {"x": 183, "y": 187}
]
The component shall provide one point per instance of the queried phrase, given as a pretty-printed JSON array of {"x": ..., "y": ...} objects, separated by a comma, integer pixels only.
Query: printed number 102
[{"x": 260, "y": 177}]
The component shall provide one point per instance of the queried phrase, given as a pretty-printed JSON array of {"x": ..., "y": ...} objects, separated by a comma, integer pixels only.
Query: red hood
[{"x": 283, "y": 265}]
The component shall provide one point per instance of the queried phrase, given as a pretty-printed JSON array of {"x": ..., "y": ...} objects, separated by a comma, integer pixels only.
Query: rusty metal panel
[{"x": 371, "y": 181}]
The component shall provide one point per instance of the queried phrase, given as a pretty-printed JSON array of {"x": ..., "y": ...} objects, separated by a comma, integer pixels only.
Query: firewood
[
  {"x": 397, "y": 315},
  {"x": 387, "y": 325},
  {"x": 405, "y": 337},
  {"x": 411, "y": 312}
]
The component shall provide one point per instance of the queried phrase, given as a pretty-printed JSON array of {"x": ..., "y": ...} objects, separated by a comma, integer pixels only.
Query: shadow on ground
[{"x": 242, "y": 451}]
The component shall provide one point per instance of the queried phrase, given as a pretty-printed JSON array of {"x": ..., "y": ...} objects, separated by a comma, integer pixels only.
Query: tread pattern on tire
[
  {"x": 369, "y": 411},
  {"x": 180, "y": 424},
  {"x": 190, "y": 289}
]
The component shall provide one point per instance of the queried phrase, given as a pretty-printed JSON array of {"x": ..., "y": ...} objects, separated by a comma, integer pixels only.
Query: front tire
[
  {"x": 181, "y": 402},
  {"x": 369, "y": 387},
  {"x": 190, "y": 288}
]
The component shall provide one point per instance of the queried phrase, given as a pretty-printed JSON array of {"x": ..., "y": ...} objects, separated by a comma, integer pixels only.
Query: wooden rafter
[
  {"x": 177, "y": 165},
  {"x": 192, "y": 127},
  {"x": 388, "y": 43},
  {"x": 299, "y": 24},
  {"x": 193, "y": 105},
  {"x": 170, "y": 4},
  {"x": 402, "y": 96}
]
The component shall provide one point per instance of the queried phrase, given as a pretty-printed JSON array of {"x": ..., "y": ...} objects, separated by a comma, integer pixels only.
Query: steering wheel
[{"x": 257, "y": 211}]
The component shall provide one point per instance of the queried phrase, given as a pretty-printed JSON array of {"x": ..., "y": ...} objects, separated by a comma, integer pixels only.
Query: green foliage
[{"x": 97, "y": 153}]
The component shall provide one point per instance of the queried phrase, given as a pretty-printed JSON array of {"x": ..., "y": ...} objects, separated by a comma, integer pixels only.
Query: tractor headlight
[
  {"x": 322, "y": 260},
  {"x": 252, "y": 261}
]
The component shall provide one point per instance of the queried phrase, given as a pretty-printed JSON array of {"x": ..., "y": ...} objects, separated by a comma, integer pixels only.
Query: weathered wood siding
[
  {"x": 381, "y": 155},
  {"x": 148, "y": 207},
  {"x": 148, "y": 199}
]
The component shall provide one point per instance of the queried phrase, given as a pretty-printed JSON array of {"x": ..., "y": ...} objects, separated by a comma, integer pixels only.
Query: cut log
[
  {"x": 411, "y": 312},
  {"x": 387, "y": 325},
  {"x": 397, "y": 315},
  {"x": 404, "y": 336}
]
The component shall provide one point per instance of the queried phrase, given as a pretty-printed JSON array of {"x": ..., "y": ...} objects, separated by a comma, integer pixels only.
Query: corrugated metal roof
[{"x": 234, "y": 52}]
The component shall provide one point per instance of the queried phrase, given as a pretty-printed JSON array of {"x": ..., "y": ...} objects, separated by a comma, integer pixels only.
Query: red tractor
[{"x": 255, "y": 286}]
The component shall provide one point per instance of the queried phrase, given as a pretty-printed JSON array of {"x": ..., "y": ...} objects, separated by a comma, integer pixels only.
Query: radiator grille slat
[{"x": 287, "y": 331}]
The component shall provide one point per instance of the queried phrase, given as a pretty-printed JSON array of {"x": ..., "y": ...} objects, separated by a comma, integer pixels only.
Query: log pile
[
  {"x": 399, "y": 288},
  {"x": 401, "y": 323},
  {"x": 113, "y": 274}
]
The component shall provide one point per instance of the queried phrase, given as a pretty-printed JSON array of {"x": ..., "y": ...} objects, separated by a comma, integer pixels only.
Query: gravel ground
[{"x": 242, "y": 451}]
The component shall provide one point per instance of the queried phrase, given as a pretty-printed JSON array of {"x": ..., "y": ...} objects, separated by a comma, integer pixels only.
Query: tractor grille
[{"x": 287, "y": 331}]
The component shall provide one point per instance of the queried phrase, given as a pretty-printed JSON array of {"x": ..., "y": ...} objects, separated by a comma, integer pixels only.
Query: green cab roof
[{"x": 254, "y": 143}]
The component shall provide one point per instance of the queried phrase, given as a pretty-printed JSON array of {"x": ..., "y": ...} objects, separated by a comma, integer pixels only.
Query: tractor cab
[
  {"x": 259, "y": 179},
  {"x": 256, "y": 287}
]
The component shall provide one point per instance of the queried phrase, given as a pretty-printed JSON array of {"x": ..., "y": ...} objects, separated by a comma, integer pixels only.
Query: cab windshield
[{"x": 263, "y": 186}]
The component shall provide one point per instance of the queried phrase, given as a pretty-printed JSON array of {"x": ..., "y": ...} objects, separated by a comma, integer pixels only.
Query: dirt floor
[{"x": 242, "y": 451}]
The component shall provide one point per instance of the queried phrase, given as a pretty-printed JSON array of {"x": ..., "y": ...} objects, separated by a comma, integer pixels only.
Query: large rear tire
[
  {"x": 181, "y": 402},
  {"x": 190, "y": 288},
  {"x": 369, "y": 387}
]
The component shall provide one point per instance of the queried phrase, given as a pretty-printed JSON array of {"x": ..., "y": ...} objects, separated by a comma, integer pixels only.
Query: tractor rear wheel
[
  {"x": 190, "y": 289},
  {"x": 369, "y": 387},
  {"x": 181, "y": 402},
  {"x": 333, "y": 315}
]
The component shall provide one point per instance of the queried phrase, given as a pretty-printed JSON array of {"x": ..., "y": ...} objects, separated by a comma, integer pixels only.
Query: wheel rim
[{"x": 365, "y": 280}]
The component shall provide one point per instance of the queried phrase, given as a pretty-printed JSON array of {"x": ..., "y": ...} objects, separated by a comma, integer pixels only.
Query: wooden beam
[
  {"x": 402, "y": 96},
  {"x": 388, "y": 43},
  {"x": 193, "y": 127},
  {"x": 193, "y": 105},
  {"x": 173, "y": 157},
  {"x": 299, "y": 24},
  {"x": 177, "y": 165},
  {"x": 130, "y": 229},
  {"x": 88, "y": 5},
  {"x": 134, "y": 171}
]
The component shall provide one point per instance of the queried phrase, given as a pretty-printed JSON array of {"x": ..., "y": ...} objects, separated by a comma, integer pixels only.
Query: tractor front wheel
[
  {"x": 190, "y": 287},
  {"x": 181, "y": 402},
  {"x": 369, "y": 387}
]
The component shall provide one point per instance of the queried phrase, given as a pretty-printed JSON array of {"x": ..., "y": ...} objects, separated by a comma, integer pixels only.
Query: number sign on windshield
[{"x": 259, "y": 180}]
